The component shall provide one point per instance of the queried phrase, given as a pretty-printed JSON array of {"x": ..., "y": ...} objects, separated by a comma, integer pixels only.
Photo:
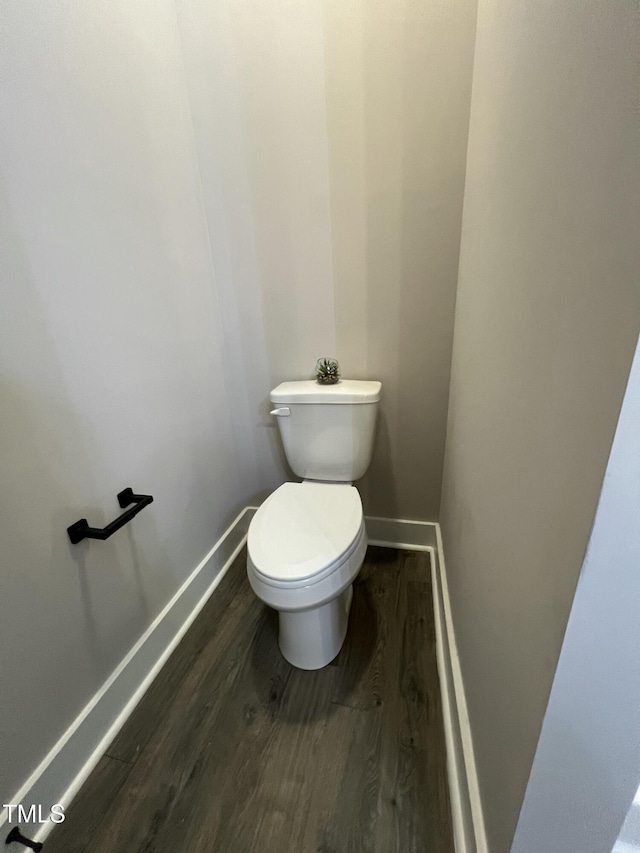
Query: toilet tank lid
[{"x": 345, "y": 391}]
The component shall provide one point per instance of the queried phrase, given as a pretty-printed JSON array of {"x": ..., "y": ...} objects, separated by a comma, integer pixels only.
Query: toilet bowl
[
  {"x": 306, "y": 545},
  {"x": 307, "y": 541}
]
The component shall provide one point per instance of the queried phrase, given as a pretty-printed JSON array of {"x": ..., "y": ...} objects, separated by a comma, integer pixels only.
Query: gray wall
[
  {"x": 547, "y": 316},
  {"x": 332, "y": 141},
  {"x": 587, "y": 764},
  {"x": 198, "y": 200},
  {"x": 113, "y": 353}
]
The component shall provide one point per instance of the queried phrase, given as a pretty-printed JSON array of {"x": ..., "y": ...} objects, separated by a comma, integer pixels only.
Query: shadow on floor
[{"x": 353, "y": 659}]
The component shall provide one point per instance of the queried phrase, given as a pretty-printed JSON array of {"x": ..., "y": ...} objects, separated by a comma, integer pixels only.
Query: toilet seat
[
  {"x": 304, "y": 532},
  {"x": 306, "y": 545}
]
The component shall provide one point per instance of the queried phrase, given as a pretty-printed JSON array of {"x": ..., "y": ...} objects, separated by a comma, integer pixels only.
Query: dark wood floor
[{"x": 233, "y": 750}]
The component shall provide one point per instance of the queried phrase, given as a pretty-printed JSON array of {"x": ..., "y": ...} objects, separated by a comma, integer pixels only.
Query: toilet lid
[{"x": 302, "y": 528}]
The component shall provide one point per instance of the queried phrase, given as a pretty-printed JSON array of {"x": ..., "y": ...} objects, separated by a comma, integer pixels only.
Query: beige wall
[
  {"x": 332, "y": 142},
  {"x": 398, "y": 80},
  {"x": 547, "y": 316}
]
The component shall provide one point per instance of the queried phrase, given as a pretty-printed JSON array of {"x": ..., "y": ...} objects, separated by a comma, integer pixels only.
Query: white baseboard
[
  {"x": 60, "y": 775},
  {"x": 401, "y": 533},
  {"x": 466, "y": 806}
]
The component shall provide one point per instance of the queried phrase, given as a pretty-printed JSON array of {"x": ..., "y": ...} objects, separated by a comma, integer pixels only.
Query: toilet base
[{"x": 310, "y": 639}]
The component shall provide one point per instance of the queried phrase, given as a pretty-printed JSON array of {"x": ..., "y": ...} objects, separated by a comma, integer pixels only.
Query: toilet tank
[{"x": 327, "y": 430}]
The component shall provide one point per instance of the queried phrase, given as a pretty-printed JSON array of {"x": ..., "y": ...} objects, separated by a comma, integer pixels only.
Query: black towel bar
[
  {"x": 81, "y": 530},
  {"x": 16, "y": 835}
]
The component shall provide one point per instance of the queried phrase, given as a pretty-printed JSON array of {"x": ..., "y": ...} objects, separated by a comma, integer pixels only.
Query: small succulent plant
[{"x": 327, "y": 371}]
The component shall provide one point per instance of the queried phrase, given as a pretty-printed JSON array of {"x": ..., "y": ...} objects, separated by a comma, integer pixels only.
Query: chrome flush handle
[{"x": 281, "y": 412}]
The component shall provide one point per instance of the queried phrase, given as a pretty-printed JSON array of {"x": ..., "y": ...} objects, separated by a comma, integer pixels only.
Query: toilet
[{"x": 307, "y": 541}]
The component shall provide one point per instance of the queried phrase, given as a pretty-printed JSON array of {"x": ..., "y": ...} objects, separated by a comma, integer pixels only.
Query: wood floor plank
[
  {"x": 350, "y": 823},
  {"x": 231, "y": 597},
  {"x": 413, "y": 797},
  {"x": 283, "y": 800},
  {"x": 415, "y": 566},
  {"x": 90, "y": 808},
  {"x": 360, "y": 677},
  {"x": 181, "y": 788},
  {"x": 233, "y": 749}
]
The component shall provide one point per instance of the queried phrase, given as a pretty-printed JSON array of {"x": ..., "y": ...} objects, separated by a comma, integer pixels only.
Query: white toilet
[{"x": 307, "y": 541}]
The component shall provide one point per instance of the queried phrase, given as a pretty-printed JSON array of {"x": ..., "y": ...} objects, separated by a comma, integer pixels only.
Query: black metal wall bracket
[
  {"x": 17, "y": 836},
  {"x": 81, "y": 530}
]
